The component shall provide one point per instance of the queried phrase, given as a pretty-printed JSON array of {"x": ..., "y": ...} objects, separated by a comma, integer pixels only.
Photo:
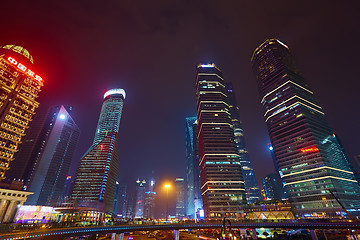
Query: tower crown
[
  {"x": 20, "y": 50},
  {"x": 117, "y": 91}
]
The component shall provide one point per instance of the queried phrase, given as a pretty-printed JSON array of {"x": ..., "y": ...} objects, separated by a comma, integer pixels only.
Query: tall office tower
[
  {"x": 20, "y": 86},
  {"x": 189, "y": 152},
  {"x": 52, "y": 156},
  {"x": 140, "y": 198},
  {"x": 273, "y": 187},
  {"x": 222, "y": 184},
  {"x": 117, "y": 196},
  {"x": 180, "y": 210},
  {"x": 198, "y": 204},
  {"x": 96, "y": 176},
  {"x": 251, "y": 186},
  {"x": 130, "y": 206},
  {"x": 309, "y": 157},
  {"x": 149, "y": 204}
]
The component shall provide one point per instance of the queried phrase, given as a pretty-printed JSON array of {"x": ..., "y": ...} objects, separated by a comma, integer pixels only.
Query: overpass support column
[
  {"x": 117, "y": 236},
  {"x": 313, "y": 234},
  {"x": 176, "y": 234},
  {"x": 254, "y": 236}
]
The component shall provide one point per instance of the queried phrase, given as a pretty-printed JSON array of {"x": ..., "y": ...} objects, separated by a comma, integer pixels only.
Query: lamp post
[{"x": 167, "y": 186}]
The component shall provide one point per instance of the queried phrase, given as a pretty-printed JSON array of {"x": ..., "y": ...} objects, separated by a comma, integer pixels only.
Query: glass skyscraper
[
  {"x": 180, "y": 198},
  {"x": 194, "y": 201},
  {"x": 310, "y": 160},
  {"x": 222, "y": 185},
  {"x": 50, "y": 156},
  {"x": 251, "y": 186},
  {"x": 20, "y": 87},
  {"x": 95, "y": 181}
]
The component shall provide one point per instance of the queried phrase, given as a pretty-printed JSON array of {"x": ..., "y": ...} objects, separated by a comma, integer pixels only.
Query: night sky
[{"x": 151, "y": 48}]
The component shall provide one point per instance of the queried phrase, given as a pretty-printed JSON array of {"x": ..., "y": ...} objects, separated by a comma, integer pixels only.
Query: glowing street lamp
[{"x": 167, "y": 186}]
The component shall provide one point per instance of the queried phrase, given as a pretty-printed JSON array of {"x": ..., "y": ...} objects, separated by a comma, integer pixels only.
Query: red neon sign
[
  {"x": 310, "y": 149},
  {"x": 23, "y": 68}
]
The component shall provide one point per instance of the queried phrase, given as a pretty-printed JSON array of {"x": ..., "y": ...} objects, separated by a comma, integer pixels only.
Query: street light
[{"x": 167, "y": 186}]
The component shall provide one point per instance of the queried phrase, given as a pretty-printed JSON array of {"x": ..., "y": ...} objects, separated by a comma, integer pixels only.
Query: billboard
[{"x": 33, "y": 214}]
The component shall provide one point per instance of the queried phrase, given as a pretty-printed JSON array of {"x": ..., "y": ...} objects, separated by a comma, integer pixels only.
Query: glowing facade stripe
[
  {"x": 214, "y": 102},
  {"x": 314, "y": 169},
  {"x": 291, "y": 106},
  {"x": 289, "y": 100},
  {"x": 115, "y": 91},
  {"x": 220, "y": 182},
  {"x": 211, "y": 124},
  {"x": 262, "y": 100},
  {"x": 319, "y": 178},
  {"x": 223, "y": 189},
  {"x": 218, "y": 154},
  {"x": 209, "y": 74},
  {"x": 206, "y": 92}
]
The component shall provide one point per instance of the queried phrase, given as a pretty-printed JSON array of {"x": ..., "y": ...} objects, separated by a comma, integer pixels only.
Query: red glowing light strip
[
  {"x": 23, "y": 68},
  {"x": 310, "y": 149}
]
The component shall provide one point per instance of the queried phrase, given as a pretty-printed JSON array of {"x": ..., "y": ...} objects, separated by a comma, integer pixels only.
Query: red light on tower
[
  {"x": 309, "y": 149},
  {"x": 24, "y": 68}
]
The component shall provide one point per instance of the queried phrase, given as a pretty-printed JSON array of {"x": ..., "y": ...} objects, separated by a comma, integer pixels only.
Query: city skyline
[{"x": 61, "y": 76}]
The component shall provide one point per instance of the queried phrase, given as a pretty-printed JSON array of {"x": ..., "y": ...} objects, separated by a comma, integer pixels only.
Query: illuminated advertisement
[{"x": 33, "y": 214}]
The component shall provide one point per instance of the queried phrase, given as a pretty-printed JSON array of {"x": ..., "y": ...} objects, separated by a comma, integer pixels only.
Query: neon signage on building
[
  {"x": 309, "y": 149},
  {"x": 24, "y": 69}
]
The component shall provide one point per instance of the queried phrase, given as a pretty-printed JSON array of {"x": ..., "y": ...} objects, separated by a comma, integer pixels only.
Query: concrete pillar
[
  {"x": 176, "y": 234},
  {"x": 3, "y": 206},
  {"x": 254, "y": 236},
  {"x": 313, "y": 234},
  {"x": 9, "y": 215}
]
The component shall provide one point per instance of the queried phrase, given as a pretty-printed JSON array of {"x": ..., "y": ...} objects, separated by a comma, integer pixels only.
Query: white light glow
[
  {"x": 207, "y": 65},
  {"x": 62, "y": 116},
  {"x": 115, "y": 91}
]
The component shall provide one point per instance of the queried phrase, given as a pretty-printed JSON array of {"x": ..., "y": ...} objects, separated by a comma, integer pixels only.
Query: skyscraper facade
[
  {"x": 140, "y": 198},
  {"x": 251, "y": 186},
  {"x": 95, "y": 181},
  {"x": 273, "y": 187},
  {"x": 20, "y": 86},
  {"x": 180, "y": 210},
  {"x": 189, "y": 153},
  {"x": 309, "y": 157},
  {"x": 149, "y": 204},
  {"x": 52, "y": 159},
  {"x": 222, "y": 185}
]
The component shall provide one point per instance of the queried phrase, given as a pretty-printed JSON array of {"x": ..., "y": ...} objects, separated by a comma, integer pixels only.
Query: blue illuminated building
[
  {"x": 251, "y": 186},
  {"x": 49, "y": 155},
  {"x": 95, "y": 180},
  {"x": 193, "y": 200}
]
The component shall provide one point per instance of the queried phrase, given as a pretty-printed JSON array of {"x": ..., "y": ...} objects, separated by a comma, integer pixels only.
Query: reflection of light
[
  {"x": 152, "y": 183},
  {"x": 271, "y": 148},
  {"x": 62, "y": 116}
]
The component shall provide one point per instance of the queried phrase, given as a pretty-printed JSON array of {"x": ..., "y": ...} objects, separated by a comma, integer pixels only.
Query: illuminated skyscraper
[
  {"x": 194, "y": 201},
  {"x": 140, "y": 198},
  {"x": 20, "y": 86},
  {"x": 149, "y": 204},
  {"x": 222, "y": 184},
  {"x": 95, "y": 180},
  {"x": 251, "y": 187},
  {"x": 273, "y": 187},
  {"x": 180, "y": 198},
  {"x": 50, "y": 157},
  {"x": 310, "y": 160}
]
